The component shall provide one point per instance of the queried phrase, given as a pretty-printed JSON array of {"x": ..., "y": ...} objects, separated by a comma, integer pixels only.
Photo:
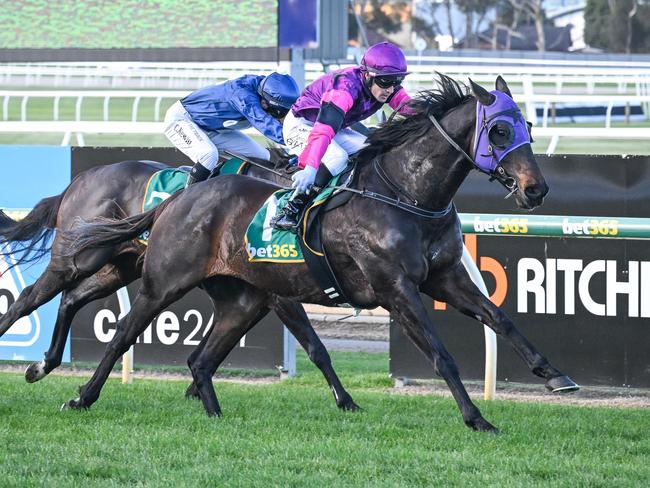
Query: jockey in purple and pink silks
[{"x": 317, "y": 128}]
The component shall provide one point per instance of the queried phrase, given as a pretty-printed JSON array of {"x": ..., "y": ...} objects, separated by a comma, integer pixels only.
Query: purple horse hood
[
  {"x": 348, "y": 79},
  {"x": 500, "y": 129}
]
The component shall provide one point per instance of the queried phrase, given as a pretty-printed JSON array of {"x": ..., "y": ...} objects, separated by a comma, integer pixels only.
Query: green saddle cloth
[
  {"x": 266, "y": 244},
  {"x": 162, "y": 185},
  {"x": 166, "y": 182}
]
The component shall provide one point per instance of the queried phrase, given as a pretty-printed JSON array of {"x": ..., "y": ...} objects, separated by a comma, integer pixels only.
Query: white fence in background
[
  {"x": 536, "y": 83},
  {"x": 528, "y": 98},
  {"x": 556, "y": 76},
  {"x": 79, "y": 128}
]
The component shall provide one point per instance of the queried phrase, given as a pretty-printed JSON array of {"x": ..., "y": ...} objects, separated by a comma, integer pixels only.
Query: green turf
[{"x": 291, "y": 434}]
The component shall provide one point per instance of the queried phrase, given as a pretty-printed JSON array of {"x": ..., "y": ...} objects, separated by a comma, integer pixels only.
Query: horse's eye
[{"x": 501, "y": 134}]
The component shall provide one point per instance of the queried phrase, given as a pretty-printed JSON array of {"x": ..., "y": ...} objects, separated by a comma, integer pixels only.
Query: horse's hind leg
[
  {"x": 457, "y": 289},
  {"x": 149, "y": 301},
  {"x": 103, "y": 283},
  {"x": 60, "y": 274},
  {"x": 238, "y": 307},
  {"x": 294, "y": 317}
]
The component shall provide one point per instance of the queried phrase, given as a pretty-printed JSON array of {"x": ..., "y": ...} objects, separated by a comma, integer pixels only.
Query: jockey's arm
[
  {"x": 248, "y": 104},
  {"x": 334, "y": 106}
]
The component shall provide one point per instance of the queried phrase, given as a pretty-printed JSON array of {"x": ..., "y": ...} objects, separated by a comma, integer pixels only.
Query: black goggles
[
  {"x": 277, "y": 112},
  {"x": 388, "y": 81}
]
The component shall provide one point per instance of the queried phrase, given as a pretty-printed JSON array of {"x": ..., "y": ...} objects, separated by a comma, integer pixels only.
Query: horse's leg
[
  {"x": 150, "y": 300},
  {"x": 294, "y": 317},
  {"x": 409, "y": 312},
  {"x": 457, "y": 289},
  {"x": 238, "y": 307},
  {"x": 103, "y": 283},
  {"x": 61, "y": 273}
]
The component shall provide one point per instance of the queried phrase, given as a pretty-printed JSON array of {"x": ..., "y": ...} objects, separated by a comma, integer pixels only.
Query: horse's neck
[{"x": 430, "y": 169}]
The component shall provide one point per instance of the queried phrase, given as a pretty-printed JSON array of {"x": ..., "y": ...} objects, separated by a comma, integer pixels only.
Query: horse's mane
[{"x": 448, "y": 94}]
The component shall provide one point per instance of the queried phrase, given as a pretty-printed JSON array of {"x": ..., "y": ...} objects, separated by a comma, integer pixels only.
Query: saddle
[{"x": 267, "y": 244}]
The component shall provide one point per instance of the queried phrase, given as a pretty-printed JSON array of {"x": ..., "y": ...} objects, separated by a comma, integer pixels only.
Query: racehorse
[
  {"x": 399, "y": 232},
  {"x": 117, "y": 190}
]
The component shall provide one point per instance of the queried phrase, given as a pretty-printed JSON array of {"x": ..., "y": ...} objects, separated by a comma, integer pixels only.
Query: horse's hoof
[
  {"x": 192, "y": 392},
  {"x": 35, "y": 372},
  {"x": 482, "y": 425},
  {"x": 74, "y": 404},
  {"x": 215, "y": 414},
  {"x": 348, "y": 405},
  {"x": 562, "y": 384}
]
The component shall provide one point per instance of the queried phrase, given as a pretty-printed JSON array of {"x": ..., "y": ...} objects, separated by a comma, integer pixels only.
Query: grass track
[{"x": 291, "y": 434}]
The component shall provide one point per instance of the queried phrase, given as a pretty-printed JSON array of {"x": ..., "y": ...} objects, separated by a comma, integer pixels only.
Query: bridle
[{"x": 499, "y": 174}]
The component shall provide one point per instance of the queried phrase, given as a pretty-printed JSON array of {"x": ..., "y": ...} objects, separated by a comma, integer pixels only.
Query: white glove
[{"x": 303, "y": 179}]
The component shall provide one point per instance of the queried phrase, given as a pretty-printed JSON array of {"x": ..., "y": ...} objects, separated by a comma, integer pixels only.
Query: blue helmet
[{"x": 280, "y": 91}]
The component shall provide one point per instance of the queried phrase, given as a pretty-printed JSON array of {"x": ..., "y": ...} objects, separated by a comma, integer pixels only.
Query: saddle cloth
[
  {"x": 166, "y": 182},
  {"x": 266, "y": 244}
]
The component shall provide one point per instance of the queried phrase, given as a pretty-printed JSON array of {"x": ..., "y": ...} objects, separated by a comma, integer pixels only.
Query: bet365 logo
[{"x": 26, "y": 330}]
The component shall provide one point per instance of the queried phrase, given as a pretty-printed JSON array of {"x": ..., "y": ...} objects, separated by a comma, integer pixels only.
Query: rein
[
  {"x": 247, "y": 160},
  {"x": 413, "y": 208}
]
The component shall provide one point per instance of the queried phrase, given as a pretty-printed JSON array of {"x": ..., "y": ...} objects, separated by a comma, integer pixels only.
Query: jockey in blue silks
[
  {"x": 212, "y": 118},
  {"x": 318, "y": 127}
]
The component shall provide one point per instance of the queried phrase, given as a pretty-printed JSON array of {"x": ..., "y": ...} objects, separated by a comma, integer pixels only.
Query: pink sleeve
[
  {"x": 319, "y": 138},
  {"x": 341, "y": 98},
  {"x": 322, "y": 134},
  {"x": 400, "y": 98}
]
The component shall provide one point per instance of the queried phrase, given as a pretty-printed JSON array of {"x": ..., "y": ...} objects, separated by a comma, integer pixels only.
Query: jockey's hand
[{"x": 303, "y": 179}]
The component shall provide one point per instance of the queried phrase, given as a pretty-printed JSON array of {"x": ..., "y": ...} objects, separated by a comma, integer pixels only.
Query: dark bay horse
[
  {"x": 400, "y": 234},
  {"x": 117, "y": 190}
]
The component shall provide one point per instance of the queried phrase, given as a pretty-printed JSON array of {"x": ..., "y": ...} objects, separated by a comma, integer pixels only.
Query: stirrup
[{"x": 283, "y": 221}]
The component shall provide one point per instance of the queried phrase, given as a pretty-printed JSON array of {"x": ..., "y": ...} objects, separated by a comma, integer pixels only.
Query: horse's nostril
[{"x": 536, "y": 191}]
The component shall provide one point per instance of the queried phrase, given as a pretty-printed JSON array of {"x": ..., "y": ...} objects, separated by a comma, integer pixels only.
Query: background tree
[{"x": 618, "y": 25}]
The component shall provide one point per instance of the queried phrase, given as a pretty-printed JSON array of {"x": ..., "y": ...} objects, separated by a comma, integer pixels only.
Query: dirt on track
[{"x": 586, "y": 396}]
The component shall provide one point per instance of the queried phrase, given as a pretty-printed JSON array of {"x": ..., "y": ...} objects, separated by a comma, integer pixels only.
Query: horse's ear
[
  {"x": 482, "y": 95},
  {"x": 502, "y": 86}
]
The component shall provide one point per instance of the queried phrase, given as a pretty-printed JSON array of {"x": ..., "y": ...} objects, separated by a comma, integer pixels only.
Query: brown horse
[
  {"x": 397, "y": 234},
  {"x": 116, "y": 190}
]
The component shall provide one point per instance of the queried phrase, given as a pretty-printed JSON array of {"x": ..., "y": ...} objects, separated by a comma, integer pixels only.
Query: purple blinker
[{"x": 500, "y": 128}]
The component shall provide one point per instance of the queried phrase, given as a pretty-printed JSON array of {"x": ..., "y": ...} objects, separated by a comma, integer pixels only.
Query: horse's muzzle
[{"x": 533, "y": 195}]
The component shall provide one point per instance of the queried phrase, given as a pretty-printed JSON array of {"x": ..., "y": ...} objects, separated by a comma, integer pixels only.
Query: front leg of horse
[
  {"x": 457, "y": 289},
  {"x": 409, "y": 313},
  {"x": 293, "y": 316}
]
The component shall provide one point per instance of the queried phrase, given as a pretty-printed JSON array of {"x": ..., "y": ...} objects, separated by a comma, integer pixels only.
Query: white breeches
[
  {"x": 346, "y": 141},
  {"x": 203, "y": 146}
]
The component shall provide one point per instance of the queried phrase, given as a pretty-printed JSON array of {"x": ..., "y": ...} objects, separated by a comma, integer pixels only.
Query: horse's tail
[
  {"x": 30, "y": 237},
  {"x": 108, "y": 232}
]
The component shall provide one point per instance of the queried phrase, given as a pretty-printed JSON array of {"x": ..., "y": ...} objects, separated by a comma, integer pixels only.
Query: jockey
[
  {"x": 212, "y": 118},
  {"x": 317, "y": 128}
]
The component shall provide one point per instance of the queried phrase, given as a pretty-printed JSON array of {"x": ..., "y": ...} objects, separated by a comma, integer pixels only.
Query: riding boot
[
  {"x": 197, "y": 173},
  {"x": 288, "y": 217}
]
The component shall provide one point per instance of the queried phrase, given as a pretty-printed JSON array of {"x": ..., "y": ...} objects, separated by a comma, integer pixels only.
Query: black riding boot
[
  {"x": 197, "y": 173},
  {"x": 287, "y": 219}
]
